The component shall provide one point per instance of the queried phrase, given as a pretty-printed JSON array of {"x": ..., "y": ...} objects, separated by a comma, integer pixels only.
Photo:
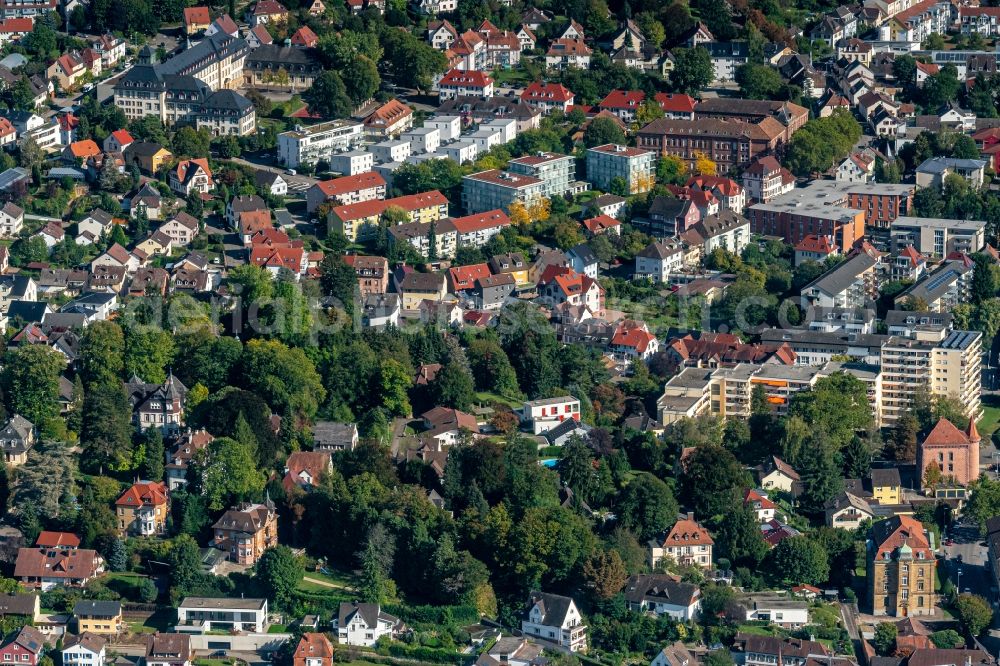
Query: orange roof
[
  {"x": 48, "y": 539},
  {"x": 271, "y": 236},
  {"x": 566, "y": 46},
  {"x": 634, "y": 335},
  {"x": 623, "y": 99},
  {"x": 598, "y": 224},
  {"x": 144, "y": 493},
  {"x": 196, "y": 16},
  {"x": 464, "y": 277},
  {"x": 388, "y": 113},
  {"x": 361, "y": 181},
  {"x": 252, "y": 221},
  {"x": 817, "y": 244},
  {"x": 304, "y": 36},
  {"x": 6, "y": 127},
  {"x": 84, "y": 149},
  {"x": 184, "y": 165},
  {"x": 726, "y": 186},
  {"x": 409, "y": 203},
  {"x": 754, "y": 496},
  {"x": 123, "y": 137},
  {"x": 910, "y": 252},
  {"x": 687, "y": 531},
  {"x": 313, "y": 646},
  {"x": 480, "y": 221},
  {"x": 17, "y": 25},
  {"x": 893, "y": 533}
]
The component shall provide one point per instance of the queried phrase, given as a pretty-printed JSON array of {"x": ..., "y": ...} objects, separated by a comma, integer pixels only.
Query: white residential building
[
  {"x": 546, "y": 413},
  {"x": 204, "y": 614},
  {"x": 555, "y": 618},
  {"x": 363, "y": 624},
  {"x": 309, "y": 145}
]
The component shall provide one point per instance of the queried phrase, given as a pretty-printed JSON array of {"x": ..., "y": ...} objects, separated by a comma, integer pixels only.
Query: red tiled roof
[
  {"x": 675, "y": 102},
  {"x": 17, "y": 25},
  {"x": 196, "y": 16},
  {"x": 144, "y": 493},
  {"x": 123, "y": 137},
  {"x": 946, "y": 433},
  {"x": 726, "y": 186},
  {"x": 479, "y": 221},
  {"x": 752, "y": 495},
  {"x": 304, "y": 36},
  {"x": 464, "y": 277},
  {"x": 84, "y": 149},
  {"x": 566, "y": 46},
  {"x": 268, "y": 256},
  {"x": 547, "y": 92},
  {"x": 817, "y": 244},
  {"x": 687, "y": 531},
  {"x": 466, "y": 79},
  {"x": 623, "y": 99},
  {"x": 634, "y": 335},
  {"x": 409, "y": 203},
  {"x": 345, "y": 184},
  {"x": 600, "y": 223},
  {"x": 47, "y": 539},
  {"x": 389, "y": 113}
]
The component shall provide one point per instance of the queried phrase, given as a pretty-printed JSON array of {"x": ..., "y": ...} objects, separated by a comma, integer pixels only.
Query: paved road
[
  {"x": 849, "y": 617},
  {"x": 966, "y": 561},
  {"x": 297, "y": 184}
]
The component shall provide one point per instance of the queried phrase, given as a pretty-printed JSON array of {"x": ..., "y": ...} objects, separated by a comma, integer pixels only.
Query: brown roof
[
  {"x": 52, "y": 563},
  {"x": 313, "y": 646},
  {"x": 176, "y": 647},
  {"x": 48, "y": 539}
]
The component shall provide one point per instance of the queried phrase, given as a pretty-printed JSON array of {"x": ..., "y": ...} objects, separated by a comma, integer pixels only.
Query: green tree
[
  {"x": 107, "y": 428},
  {"x": 798, "y": 560},
  {"x": 984, "y": 501},
  {"x": 229, "y": 473},
  {"x": 361, "y": 79},
  {"x": 647, "y": 506},
  {"x": 974, "y": 612},
  {"x": 712, "y": 481},
  {"x": 885, "y": 638},
  {"x": 102, "y": 353},
  {"x": 692, "y": 71},
  {"x": 602, "y": 131},
  {"x": 152, "y": 465},
  {"x": 283, "y": 376},
  {"x": 453, "y": 387},
  {"x": 759, "y": 81},
  {"x": 837, "y": 405},
  {"x": 31, "y": 382},
  {"x": 947, "y": 639},
  {"x": 739, "y": 538},
  {"x": 328, "y": 97},
  {"x": 394, "y": 383},
  {"x": 251, "y": 283},
  {"x": 190, "y": 142},
  {"x": 821, "y": 478},
  {"x": 278, "y": 573},
  {"x": 185, "y": 565},
  {"x": 118, "y": 556},
  {"x": 964, "y": 148},
  {"x": 148, "y": 351},
  {"x": 492, "y": 369}
]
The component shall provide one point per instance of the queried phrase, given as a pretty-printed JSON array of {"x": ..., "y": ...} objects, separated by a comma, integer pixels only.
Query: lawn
[
  {"x": 508, "y": 76},
  {"x": 991, "y": 416},
  {"x": 486, "y": 397}
]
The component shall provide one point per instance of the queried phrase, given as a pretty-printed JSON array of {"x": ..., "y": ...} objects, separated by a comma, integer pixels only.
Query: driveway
[{"x": 297, "y": 184}]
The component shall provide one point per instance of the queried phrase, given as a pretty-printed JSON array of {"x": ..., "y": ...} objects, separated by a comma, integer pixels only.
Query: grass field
[
  {"x": 991, "y": 416},
  {"x": 487, "y": 397}
]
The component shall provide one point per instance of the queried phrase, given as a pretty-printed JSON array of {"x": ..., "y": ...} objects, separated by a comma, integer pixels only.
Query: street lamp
[{"x": 959, "y": 590}]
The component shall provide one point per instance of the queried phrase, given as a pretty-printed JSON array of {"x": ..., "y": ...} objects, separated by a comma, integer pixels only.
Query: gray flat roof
[
  {"x": 223, "y": 603},
  {"x": 937, "y": 222}
]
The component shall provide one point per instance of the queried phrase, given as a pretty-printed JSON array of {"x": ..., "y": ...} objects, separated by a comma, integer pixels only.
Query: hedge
[{"x": 437, "y": 615}]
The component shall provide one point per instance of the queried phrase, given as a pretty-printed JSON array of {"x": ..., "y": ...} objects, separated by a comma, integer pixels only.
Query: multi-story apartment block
[
  {"x": 557, "y": 172},
  {"x": 309, "y": 145},
  {"x": 489, "y": 190},
  {"x": 476, "y": 230},
  {"x": 418, "y": 234},
  {"x": 819, "y": 210},
  {"x": 725, "y": 391},
  {"x": 900, "y": 567},
  {"x": 983, "y": 20},
  {"x": 635, "y": 166},
  {"x": 359, "y": 221},
  {"x": 881, "y": 202},
  {"x": 346, "y": 190},
  {"x": 791, "y": 117},
  {"x": 942, "y": 290},
  {"x": 850, "y": 284},
  {"x": 941, "y": 364},
  {"x": 282, "y": 68},
  {"x": 935, "y": 237}
]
